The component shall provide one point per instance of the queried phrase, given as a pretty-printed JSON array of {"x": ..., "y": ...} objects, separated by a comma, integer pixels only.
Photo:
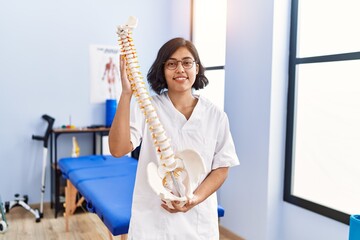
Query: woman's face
[{"x": 182, "y": 78}]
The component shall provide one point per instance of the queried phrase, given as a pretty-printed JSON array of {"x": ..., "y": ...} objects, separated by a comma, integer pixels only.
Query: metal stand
[
  {"x": 3, "y": 222},
  {"x": 23, "y": 202}
]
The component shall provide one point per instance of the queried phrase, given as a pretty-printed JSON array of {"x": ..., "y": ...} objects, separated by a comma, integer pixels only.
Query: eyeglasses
[{"x": 172, "y": 64}]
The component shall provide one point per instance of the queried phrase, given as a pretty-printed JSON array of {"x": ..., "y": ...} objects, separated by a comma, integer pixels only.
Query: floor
[{"x": 84, "y": 226}]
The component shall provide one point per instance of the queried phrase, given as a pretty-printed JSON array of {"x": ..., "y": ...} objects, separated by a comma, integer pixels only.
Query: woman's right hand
[
  {"x": 125, "y": 83},
  {"x": 119, "y": 135}
]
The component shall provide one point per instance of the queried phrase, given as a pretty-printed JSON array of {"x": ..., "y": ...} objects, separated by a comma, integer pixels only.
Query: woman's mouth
[{"x": 180, "y": 78}]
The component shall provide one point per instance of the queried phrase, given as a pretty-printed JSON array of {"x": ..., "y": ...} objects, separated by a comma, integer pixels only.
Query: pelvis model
[{"x": 174, "y": 176}]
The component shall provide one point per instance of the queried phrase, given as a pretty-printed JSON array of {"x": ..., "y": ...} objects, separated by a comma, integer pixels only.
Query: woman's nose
[{"x": 179, "y": 67}]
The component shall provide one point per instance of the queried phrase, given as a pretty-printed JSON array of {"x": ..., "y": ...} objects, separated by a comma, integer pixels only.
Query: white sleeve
[{"x": 225, "y": 152}]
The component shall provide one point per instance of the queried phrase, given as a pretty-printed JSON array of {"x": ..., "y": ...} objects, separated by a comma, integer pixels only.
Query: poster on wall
[{"x": 104, "y": 73}]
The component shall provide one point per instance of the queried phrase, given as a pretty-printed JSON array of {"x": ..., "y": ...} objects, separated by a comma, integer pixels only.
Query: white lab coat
[{"x": 206, "y": 131}]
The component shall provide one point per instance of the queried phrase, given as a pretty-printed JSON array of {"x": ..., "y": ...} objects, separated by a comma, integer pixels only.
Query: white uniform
[{"x": 207, "y": 132}]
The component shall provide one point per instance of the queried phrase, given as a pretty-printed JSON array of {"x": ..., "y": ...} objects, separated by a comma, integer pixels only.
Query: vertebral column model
[{"x": 170, "y": 178}]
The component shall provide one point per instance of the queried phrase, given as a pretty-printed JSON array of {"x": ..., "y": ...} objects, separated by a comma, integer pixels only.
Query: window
[
  {"x": 209, "y": 37},
  {"x": 322, "y": 163}
]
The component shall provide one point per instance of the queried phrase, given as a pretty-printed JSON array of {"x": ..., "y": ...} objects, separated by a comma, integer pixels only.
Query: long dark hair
[{"x": 156, "y": 75}]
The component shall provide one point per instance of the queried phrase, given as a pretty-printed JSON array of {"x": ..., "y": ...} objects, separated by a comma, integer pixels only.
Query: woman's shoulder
[
  {"x": 157, "y": 98},
  {"x": 212, "y": 108}
]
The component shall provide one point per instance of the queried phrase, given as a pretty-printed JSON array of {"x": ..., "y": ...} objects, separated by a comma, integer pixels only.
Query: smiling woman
[{"x": 172, "y": 177}]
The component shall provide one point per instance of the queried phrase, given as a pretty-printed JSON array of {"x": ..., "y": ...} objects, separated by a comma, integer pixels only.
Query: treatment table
[{"x": 106, "y": 183}]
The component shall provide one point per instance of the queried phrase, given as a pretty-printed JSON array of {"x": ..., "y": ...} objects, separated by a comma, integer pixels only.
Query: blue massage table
[{"x": 106, "y": 183}]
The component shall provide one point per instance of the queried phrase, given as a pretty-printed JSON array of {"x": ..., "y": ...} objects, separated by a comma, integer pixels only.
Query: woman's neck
[{"x": 183, "y": 102}]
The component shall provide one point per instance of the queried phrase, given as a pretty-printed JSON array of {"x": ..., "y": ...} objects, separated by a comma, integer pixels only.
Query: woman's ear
[{"x": 197, "y": 68}]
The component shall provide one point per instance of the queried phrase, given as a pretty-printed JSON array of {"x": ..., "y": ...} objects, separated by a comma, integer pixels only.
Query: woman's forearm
[
  {"x": 119, "y": 135},
  {"x": 211, "y": 183}
]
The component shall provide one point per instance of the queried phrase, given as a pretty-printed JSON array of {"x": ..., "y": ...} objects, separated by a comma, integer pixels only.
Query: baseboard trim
[{"x": 229, "y": 234}]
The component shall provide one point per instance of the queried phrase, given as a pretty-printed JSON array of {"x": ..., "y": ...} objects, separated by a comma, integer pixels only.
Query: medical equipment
[
  {"x": 107, "y": 185},
  {"x": 3, "y": 222},
  {"x": 50, "y": 121},
  {"x": 176, "y": 175},
  {"x": 23, "y": 201}
]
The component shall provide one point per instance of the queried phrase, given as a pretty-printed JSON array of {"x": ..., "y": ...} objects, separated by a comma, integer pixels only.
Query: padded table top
[{"x": 68, "y": 165}]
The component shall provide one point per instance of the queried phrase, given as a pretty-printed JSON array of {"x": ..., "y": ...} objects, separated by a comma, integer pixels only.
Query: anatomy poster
[{"x": 105, "y": 76}]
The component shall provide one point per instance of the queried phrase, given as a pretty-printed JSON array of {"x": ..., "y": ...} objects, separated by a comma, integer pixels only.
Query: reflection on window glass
[
  {"x": 328, "y": 27},
  {"x": 327, "y": 135},
  {"x": 210, "y": 31}
]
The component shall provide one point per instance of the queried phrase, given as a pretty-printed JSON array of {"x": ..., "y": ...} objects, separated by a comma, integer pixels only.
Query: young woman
[{"x": 191, "y": 122}]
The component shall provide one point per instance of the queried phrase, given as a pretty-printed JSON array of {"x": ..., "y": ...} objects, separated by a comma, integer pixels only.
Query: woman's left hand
[
  {"x": 211, "y": 183},
  {"x": 178, "y": 208}
]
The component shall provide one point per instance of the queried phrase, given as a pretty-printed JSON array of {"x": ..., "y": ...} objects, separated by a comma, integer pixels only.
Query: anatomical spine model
[{"x": 176, "y": 175}]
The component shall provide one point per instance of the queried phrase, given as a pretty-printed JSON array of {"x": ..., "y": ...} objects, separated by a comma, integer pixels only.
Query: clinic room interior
[{"x": 53, "y": 63}]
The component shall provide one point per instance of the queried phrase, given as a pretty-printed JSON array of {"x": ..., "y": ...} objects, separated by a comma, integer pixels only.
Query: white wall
[
  {"x": 247, "y": 102},
  {"x": 44, "y": 68},
  {"x": 255, "y": 100}
]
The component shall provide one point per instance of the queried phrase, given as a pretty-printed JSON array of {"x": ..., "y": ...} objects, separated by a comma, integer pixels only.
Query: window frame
[{"x": 294, "y": 61}]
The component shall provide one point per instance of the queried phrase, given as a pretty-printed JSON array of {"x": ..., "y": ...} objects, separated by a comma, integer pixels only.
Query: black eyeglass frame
[{"x": 177, "y": 63}]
